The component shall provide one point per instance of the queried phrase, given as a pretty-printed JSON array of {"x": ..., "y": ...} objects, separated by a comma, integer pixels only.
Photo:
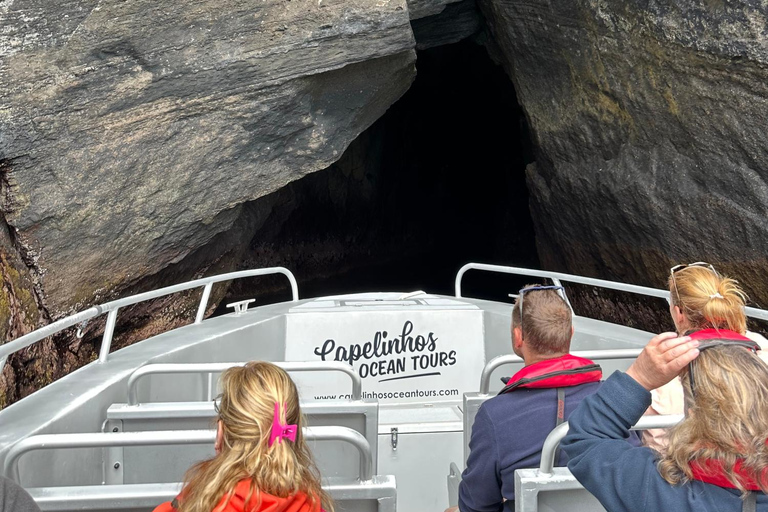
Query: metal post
[
  {"x": 203, "y": 303},
  {"x": 109, "y": 331}
]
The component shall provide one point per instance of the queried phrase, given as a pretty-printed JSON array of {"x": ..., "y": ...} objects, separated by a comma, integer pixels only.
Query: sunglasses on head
[
  {"x": 523, "y": 291},
  {"x": 678, "y": 268},
  {"x": 216, "y": 403}
]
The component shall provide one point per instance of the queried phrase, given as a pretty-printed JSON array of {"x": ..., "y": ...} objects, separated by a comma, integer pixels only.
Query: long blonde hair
[
  {"x": 708, "y": 300},
  {"x": 246, "y": 413},
  {"x": 727, "y": 420}
]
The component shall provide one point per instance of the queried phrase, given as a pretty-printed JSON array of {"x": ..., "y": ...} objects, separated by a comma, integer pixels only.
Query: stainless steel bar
[
  {"x": 595, "y": 355},
  {"x": 50, "y": 329},
  {"x": 350, "y": 436},
  {"x": 101, "y": 440},
  {"x": 181, "y": 368},
  {"x": 170, "y": 437},
  {"x": 599, "y": 283},
  {"x": 552, "y": 442},
  {"x": 203, "y": 303},
  {"x": 109, "y": 331}
]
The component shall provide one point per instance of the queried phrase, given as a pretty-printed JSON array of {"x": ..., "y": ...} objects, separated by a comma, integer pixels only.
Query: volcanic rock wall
[
  {"x": 146, "y": 143},
  {"x": 133, "y": 131},
  {"x": 649, "y": 120}
]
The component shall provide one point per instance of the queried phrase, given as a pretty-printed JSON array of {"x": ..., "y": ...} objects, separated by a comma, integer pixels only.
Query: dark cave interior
[{"x": 436, "y": 182}]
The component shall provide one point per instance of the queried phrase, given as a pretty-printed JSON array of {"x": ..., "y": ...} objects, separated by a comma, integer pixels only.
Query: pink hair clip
[{"x": 279, "y": 430}]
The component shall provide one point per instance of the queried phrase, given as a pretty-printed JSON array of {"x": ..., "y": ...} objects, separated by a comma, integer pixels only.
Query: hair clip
[
  {"x": 716, "y": 296},
  {"x": 280, "y": 430}
]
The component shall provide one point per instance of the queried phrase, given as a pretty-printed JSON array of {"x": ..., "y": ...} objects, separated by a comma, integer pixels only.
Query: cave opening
[{"x": 436, "y": 182}]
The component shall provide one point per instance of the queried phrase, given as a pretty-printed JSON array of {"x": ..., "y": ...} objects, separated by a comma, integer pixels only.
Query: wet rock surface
[
  {"x": 144, "y": 144},
  {"x": 422, "y": 8},
  {"x": 456, "y": 22},
  {"x": 648, "y": 120},
  {"x": 131, "y": 133}
]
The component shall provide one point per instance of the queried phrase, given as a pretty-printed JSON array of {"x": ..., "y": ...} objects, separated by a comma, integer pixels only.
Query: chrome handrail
[
  {"x": 552, "y": 442},
  {"x": 557, "y": 277},
  {"x": 112, "y": 308},
  {"x": 299, "y": 366},
  {"x": 596, "y": 355},
  {"x": 171, "y": 437}
]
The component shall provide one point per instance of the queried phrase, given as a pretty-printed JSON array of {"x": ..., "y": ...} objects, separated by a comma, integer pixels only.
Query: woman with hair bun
[
  {"x": 706, "y": 303},
  {"x": 262, "y": 463}
]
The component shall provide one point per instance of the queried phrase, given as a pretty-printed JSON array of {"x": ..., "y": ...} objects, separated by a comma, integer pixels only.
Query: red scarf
[{"x": 560, "y": 372}]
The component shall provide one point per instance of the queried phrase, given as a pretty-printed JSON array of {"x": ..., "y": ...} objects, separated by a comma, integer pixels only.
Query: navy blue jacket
[
  {"x": 13, "y": 498},
  {"x": 508, "y": 434},
  {"x": 623, "y": 477}
]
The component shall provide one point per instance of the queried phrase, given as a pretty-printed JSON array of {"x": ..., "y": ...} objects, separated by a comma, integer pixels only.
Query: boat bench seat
[
  {"x": 350, "y": 495},
  {"x": 142, "y": 464},
  {"x": 363, "y": 491}
]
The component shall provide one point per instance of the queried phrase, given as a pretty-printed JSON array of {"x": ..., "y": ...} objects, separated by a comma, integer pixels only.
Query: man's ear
[{"x": 517, "y": 337}]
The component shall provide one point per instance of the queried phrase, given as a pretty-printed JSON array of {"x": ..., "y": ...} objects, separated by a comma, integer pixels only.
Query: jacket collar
[
  {"x": 711, "y": 471},
  {"x": 564, "y": 371}
]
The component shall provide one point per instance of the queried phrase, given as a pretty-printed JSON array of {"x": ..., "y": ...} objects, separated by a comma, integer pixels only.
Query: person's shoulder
[
  {"x": 515, "y": 401},
  {"x": 14, "y": 496}
]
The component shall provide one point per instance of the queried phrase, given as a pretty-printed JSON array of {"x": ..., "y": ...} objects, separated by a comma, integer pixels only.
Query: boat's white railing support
[
  {"x": 552, "y": 442},
  {"x": 595, "y": 355},
  {"x": 558, "y": 277},
  {"x": 171, "y": 437},
  {"x": 112, "y": 308},
  {"x": 185, "y": 368}
]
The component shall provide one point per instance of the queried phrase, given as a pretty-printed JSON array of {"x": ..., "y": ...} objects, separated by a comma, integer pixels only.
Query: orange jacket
[{"x": 269, "y": 503}]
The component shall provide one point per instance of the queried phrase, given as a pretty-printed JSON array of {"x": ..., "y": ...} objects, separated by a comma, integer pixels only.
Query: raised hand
[{"x": 662, "y": 359}]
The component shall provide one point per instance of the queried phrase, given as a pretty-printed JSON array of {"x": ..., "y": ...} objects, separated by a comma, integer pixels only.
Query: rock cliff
[
  {"x": 649, "y": 122},
  {"x": 145, "y": 143},
  {"x": 131, "y": 132}
]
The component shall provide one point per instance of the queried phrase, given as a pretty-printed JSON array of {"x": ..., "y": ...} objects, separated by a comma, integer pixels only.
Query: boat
[{"x": 390, "y": 384}]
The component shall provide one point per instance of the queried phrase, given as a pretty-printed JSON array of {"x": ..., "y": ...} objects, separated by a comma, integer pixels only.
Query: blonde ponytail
[
  {"x": 708, "y": 300},
  {"x": 246, "y": 414}
]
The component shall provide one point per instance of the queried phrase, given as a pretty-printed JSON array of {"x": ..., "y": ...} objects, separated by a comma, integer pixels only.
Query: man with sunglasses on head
[{"x": 510, "y": 429}]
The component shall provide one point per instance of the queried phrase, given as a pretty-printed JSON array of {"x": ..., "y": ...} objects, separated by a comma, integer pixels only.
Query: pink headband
[{"x": 279, "y": 430}]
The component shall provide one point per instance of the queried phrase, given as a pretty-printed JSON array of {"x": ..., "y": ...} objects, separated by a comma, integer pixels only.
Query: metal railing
[
  {"x": 182, "y": 368},
  {"x": 168, "y": 438},
  {"x": 558, "y": 277},
  {"x": 595, "y": 355},
  {"x": 552, "y": 442},
  {"x": 112, "y": 308}
]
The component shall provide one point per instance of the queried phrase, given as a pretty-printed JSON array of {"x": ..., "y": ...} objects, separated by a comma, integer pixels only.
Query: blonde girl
[{"x": 262, "y": 463}]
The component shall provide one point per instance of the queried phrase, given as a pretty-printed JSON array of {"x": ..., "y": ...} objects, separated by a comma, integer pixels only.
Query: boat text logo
[{"x": 415, "y": 353}]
